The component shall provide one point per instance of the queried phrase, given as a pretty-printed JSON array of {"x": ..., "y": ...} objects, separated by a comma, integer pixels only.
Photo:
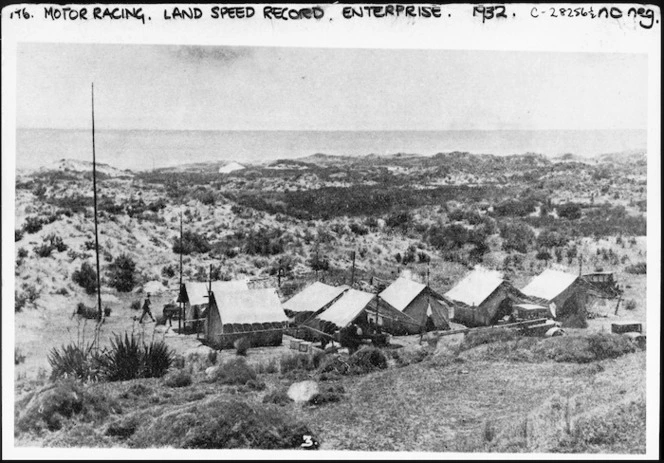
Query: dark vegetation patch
[{"x": 222, "y": 424}]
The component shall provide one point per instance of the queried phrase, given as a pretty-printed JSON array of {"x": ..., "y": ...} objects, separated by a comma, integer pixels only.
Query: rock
[
  {"x": 303, "y": 391},
  {"x": 211, "y": 372}
]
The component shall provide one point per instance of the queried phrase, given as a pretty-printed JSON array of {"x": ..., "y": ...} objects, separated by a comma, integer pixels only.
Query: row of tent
[{"x": 232, "y": 309}]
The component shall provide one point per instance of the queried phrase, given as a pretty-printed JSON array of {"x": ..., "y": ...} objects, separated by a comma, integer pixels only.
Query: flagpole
[{"x": 94, "y": 188}]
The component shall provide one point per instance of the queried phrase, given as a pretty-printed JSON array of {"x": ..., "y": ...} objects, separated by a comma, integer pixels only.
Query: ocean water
[{"x": 147, "y": 149}]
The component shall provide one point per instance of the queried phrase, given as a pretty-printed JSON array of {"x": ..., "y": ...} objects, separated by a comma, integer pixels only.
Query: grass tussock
[
  {"x": 365, "y": 360},
  {"x": 178, "y": 378},
  {"x": 277, "y": 396},
  {"x": 235, "y": 371},
  {"x": 487, "y": 336},
  {"x": 222, "y": 424}
]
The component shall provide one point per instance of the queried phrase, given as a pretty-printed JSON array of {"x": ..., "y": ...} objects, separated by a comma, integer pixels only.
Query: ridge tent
[{"x": 254, "y": 314}]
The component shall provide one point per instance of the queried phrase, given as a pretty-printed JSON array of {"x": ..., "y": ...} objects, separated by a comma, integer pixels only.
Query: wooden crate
[{"x": 305, "y": 346}]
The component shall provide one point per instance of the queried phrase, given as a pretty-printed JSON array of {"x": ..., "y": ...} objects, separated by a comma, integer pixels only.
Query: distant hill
[
  {"x": 623, "y": 157},
  {"x": 74, "y": 165}
]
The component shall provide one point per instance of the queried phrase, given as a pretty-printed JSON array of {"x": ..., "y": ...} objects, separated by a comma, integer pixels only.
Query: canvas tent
[
  {"x": 194, "y": 295},
  {"x": 568, "y": 292},
  {"x": 347, "y": 309},
  {"x": 482, "y": 298},
  {"x": 417, "y": 307},
  {"x": 254, "y": 314},
  {"x": 312, "y": 300}
]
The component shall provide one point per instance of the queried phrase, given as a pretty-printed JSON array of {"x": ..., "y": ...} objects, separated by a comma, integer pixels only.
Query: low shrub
[
  {"x": 135, "y": 305},
  {"x": 365, "y": 360},
  {"x": 637, "y": 269},
  {"x": 291, "y": 362},
  {"x": 242, "y": 345},
  {"x": 178, "y": 378},
  {"x": 277, "y": 396},
  {"x": 325, "y": 397},
  {"x": 221, "y": 424},
  {"x": 610, "y": 345},
  {"x": 51, "y": 406},
  {"x": 630, "y": 305},
  {"x": 19, "y": 357},
  {"x": 124, "y": 427},
  {"x": 32, "y": 224},
  {"x": 368, "y": 359},
  {"x": 235, "y": 371},
  {"x": 487, "y": 336},
  {"x": 18, "y": 235}
]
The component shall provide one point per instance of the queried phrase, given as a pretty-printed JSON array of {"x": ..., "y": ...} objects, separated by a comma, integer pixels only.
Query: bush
[
  {"x": 18, "y": 235},
  {"x": 630, "y": 305},
  {"x": 292, "y": 362},
  {"x": 277, "y": 396},
  {"x": 75, "y": 361},
  {"x": 637, "y": 269},
  {"x": 123, "y": 361},
  {"x": 610, "y": 345},
  {"x": 32, "y": 224},
  {"x": 365, "y": 360},
  {"x": 86, "y": 277},
  {"x": 19, "y": 357},
  {"x": 168, "y": 271},
  {"x": 321, "y": 398},
  {"x": 242, "y": 345},
  {"x": 55, "y": 403},
  {"x": 178, "y": 378},
  {"x": 44, "y": 250},
  {"x": 235, "y": 372},
  {"x": 191, "y": 243},
  {"x": 516, "y": 236},
  {"x": 128, "y": 359},
  {"x": 487, "y": 336},
  {"x": 135, "y": 305},
  {"x": 157, "y": 359},
  {"x": 220, "y": 424},
  {"x": 121, "y": 273}
]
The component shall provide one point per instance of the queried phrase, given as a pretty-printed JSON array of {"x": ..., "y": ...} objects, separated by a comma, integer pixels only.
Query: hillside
[{"x": 402, "y": 215}]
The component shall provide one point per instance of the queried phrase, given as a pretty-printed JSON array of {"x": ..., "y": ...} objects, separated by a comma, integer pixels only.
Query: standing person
[{"x": 146, "y": 309}]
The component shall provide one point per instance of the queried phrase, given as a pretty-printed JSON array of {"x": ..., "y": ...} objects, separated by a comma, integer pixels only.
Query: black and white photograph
[{"x": 277, "y": 245}]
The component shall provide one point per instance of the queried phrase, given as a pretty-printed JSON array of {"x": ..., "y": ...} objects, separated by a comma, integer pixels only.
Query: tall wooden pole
[
  {"x": 94, "y": 188},
  {"x": 352, "y": 275},
  {"x": 180, "y": 289}
]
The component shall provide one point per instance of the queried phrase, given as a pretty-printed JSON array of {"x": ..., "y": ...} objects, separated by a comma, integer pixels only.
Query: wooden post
[
  {"x": 94, "y": 195},
  {"x": 181, "y": 303},
  {"x": 352, "y": 274}
]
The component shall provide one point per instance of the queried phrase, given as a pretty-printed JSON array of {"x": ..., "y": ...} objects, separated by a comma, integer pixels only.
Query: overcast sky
[{"x": 237, "y": 88}]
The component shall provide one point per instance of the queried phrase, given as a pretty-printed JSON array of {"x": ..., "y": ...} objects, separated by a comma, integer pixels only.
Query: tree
[
  {"x": 121, "y": 273},
  {"x": 517, "y": 236}
]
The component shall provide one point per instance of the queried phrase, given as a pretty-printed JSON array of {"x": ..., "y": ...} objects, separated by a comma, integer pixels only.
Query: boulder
[{"x": 303, "y": 391}]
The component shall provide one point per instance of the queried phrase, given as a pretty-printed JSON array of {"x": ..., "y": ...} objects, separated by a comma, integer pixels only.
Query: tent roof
[
  {"x": 530, "y": 306},
  {"x": 549, "y": 284},
  {"x": 401, "y": 293},
  {"x": 347, "y": 307},
  {"x": 475, "y": 287},
  {"x": 197, "y": 291},
  {"x": 313, "y": 297},
  {"x": 249, "y": 306}
]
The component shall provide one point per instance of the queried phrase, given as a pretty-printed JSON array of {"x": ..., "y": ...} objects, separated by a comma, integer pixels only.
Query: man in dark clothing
[{"x": 146, "y": 309}]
